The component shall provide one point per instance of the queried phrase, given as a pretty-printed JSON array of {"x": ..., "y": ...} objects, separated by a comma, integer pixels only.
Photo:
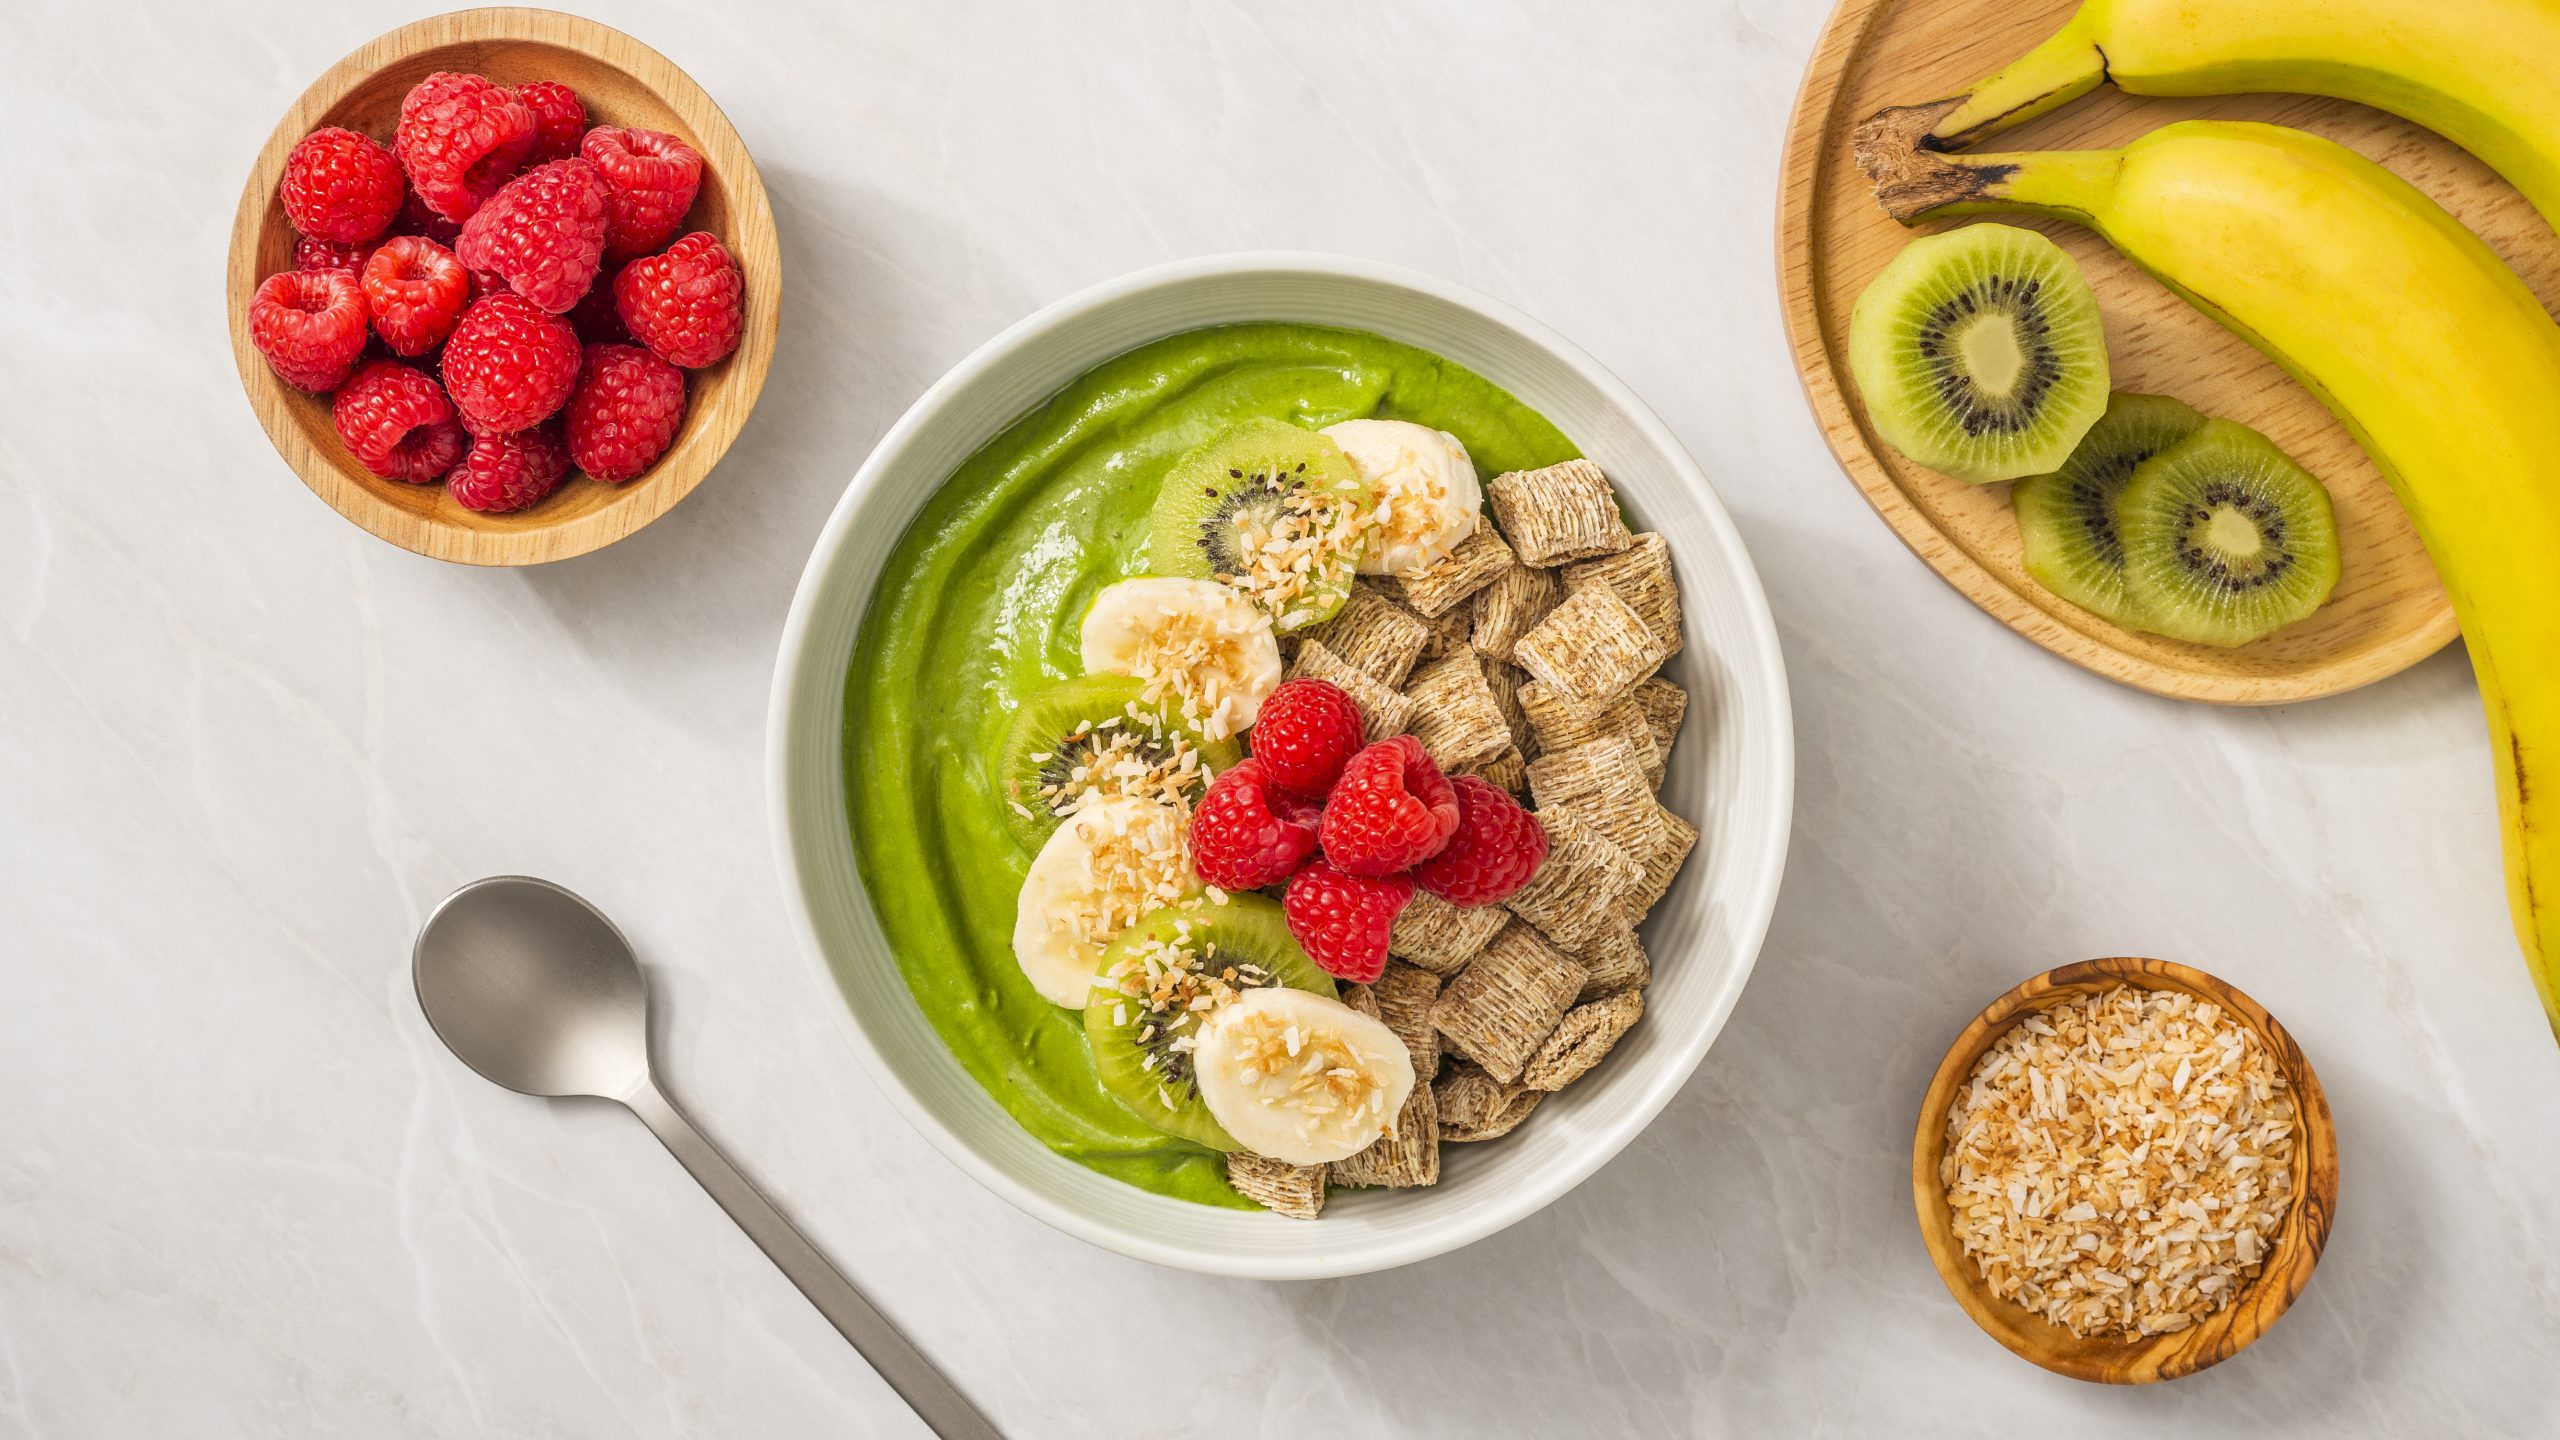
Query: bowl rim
[
  {"x": 2256, "y": 1308},
  {"x": 1764, "y": 688}
]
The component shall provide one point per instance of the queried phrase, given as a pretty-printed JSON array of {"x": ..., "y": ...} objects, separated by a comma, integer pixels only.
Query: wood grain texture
[
  {"x": 2389, "y": 610},
  {"x": 623, "y": 82},
  {"x": 2227, "y": 1331}
]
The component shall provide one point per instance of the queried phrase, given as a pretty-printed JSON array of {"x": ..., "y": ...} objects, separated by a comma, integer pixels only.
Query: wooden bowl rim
[
  {"x": 1807, "y": 158},
  {"x": 2305, "y": 1231},
  {"x": 677, "y": 473}
]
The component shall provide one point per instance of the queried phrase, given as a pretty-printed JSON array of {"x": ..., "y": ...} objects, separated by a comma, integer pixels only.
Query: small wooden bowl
[
  {"x": 2210, "y": 1341},
  {"x": 623, "y": 82}
]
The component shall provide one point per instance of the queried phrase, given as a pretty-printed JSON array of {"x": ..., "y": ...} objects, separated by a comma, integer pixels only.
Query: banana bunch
[{"x": 2412, "y": 331}]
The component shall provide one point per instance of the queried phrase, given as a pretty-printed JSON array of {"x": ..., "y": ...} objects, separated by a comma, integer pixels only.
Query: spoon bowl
[{"x": 535, "y": 989}]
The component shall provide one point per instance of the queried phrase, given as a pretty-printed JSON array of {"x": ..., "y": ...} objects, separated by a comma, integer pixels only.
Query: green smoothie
[{"x": 980, "y": 606}]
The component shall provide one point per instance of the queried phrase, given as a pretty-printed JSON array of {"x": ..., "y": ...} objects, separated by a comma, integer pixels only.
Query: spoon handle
[{"x": 943, "y": 1409}]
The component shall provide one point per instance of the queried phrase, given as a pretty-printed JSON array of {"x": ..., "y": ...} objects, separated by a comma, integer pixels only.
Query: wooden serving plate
[
  {"x": 2221, "y": 1335},
  {"x": 2388, "y": 612},
  {"x": 623, "y": 82}
]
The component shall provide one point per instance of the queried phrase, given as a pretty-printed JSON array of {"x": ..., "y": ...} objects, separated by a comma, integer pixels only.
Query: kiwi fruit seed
[
  {"x": 2067, "y": 519},
  {"x": 2226, "y": 540},
  {"x": 1141, "y": 1020},
  {"x": 1980, "y": 353},
  {"x": 1223, "y": 505},
  {"x": 1099, "y": 734}
]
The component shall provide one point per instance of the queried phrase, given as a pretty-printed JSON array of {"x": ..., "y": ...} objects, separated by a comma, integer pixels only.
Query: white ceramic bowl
[{"x": 1732, "y": 773}]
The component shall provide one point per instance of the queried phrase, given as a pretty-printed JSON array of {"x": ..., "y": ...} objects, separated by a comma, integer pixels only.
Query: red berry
[
  {"x": 398, "y": 424},
  {"x": 626, "y": 412},
  {"x": 461, "y": 137},
  {"x": 687, "y": 304},
  {"x": 1240, "y": 837},
  {"x": 310, "y": 326},
  {"x": 1307, "y": 730},
  {"x": 1391, "y": 810},
  {"x": 339, "y": 185},
  {"x": 599, "y": 322},
  {"x": 543, "y": 234},
  {"x": 1497, "y": 847},
  {"x": 510, "y": 472},
  {"x": 310, "y": 254},
  {"x": 1342, "y": 920},
  {"x": 508, "y": 365},
  {"x": 558, "y": 120},
  {"x": 415, "y": 290},
  {"x": 653, "y": 177},
  {"x": 416, "y": 219}
]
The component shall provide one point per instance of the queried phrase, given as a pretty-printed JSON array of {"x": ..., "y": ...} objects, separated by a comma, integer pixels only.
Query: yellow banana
[
  {"x": 2481, "y": 73},
  {"x": 2418, "y": 337}
]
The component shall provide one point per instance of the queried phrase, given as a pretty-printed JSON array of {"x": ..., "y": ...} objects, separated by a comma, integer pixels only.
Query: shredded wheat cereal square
[
  {"x": 1374, "y": 634},
  {"x": 1441, "y": 937},
  {"x": 1408, "y": 1154},
  {"x": 1296, "y": 1191},
  {"x": 1385, "y": 711},
  {"x": 1590, "y": 650},
  {"x": 1507, "y": 770},
  {"x": 1454, "y": 713},
  {"x": 1505, "y": 609},
  {"x": 1641, "y": 574},
  {"x": 1664, "y": 704},
  {"x": 1564, "y": 512},
  {"x": 1475, "y": 1106},
  {"x": 1404, "y": 994},
  {"x": 1617, "y": 963},
  {"x": 1661, "y": 863},
  {"x": 1502, "y": 1007},
  {"x": 1364, "y": 1000},
  {"x": 1558, "y": 726},
  {"x": 1505, "y": 682},
  {"x": 1478, "y": 561},
  {"x": 1602, "y": 782},
  {"x": 1575, "y": 894},
  {"x": 1585, "y": 1035}
]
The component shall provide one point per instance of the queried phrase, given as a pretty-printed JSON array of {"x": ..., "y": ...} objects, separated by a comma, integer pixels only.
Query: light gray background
[{"x": 244, "y": 746}]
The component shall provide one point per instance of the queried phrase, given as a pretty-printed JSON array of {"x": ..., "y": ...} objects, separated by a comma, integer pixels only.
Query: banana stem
[
  {"x": 1914, "y": 184},
  {"x": 2055, "y": 73}
]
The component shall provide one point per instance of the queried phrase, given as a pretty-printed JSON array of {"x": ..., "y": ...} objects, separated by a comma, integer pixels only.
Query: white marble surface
[{"x": 243, "y": 747}]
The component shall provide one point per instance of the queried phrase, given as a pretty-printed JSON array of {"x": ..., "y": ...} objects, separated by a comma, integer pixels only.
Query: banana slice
[
  {"x": 1427, "y": 496},
  {"x": 1106, "y": 865},
  {"x": 1196, "y": 642},
  {"x": 1300, "y": 1077}
]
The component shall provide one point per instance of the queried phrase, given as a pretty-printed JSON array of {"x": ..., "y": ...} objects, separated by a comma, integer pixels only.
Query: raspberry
[
  {"x": 1497, "y": 847},
  {"x": 1307, "y": 731},
  {"x": 1239, "y": 838},
  {"x": 1342, "y": 920},
  {"x": 598, "y": 321},
  {"x": 461, "y": 137},
  {"x": 416, "y": 219},
  {"x": 653, "y": 177},
  {"x": 398, "y": 424},
  {"x": 508, "y": 365},
  {"x": 310, "y": 326},
  {"x": 510, "y": 472},
  {"x": 415, "y": 290},
  {"x": 558, "y": 120},
  {"x": 310, "y": 254},
  {"x": 1390, "y": 811},
  {"x": 626, "y": 412},
  {"x": 685, "y": 304},
  {"x": 339, "y": 185},
  {"x": 543, "y": 234}
]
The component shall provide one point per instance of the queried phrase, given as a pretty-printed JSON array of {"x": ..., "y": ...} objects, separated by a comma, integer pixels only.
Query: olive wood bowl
[
  {"x": 2134, "y": 1360},
  {"x": 622, "y": 82}
]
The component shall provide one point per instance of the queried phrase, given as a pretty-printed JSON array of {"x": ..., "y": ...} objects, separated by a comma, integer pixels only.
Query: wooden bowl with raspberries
[{"x": 503, "y": 286}]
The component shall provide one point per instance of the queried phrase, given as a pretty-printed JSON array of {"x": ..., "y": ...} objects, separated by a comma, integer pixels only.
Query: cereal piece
[
  {"x": 1617, "y": 963},
  {"x": 1581, "y": 1039},
  {"x": 1375, "y": 635},
  {"x": 1475, "y": 1106},
  {"x": 1602, "y": 782},
  {"x": 1404, "y": 995},
  {"x": 1479, "y": 560},
  {"x": 1590, "y": 650},
  {"x": 1364, "y": 1000},
  {"x": 1663, "y": 704},
  {"x": 1502, "y": 1007},
  {"x": 1560, "y": 727},
  {"x": 1385, "y": 711},
  {"x": 1641, "y": 574},
  {"x": 1407, "y": 1155},
  {"x": 1507, "y": 770},
  {"x": 1661, "y": 865},
  {"x": 1441, "y": 937},
  {"x": 1454, "y": 713},
  {"x": 1505, "y": 681},
  {"x": 1505, "y": 609},
  {"x": 1574, "y": 896},
  {"x": 1296, "y": 1191},
  {"x": 1564, "y": 512}
]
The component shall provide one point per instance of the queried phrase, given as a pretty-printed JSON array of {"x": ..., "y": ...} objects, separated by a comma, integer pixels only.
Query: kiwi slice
[
  {"x": 1100, "y": 733},
  {"x": 2226, "y": 540},
  {"x": 1140, "y": 1019},
  {"x": 1222, "y": 506},
  {"x": 2067, "y": 518},
  {"x": 1980, "y": 353}
]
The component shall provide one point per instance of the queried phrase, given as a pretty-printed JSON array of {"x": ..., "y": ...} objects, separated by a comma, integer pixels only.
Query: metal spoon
[{"x": 535, "y": 989}]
